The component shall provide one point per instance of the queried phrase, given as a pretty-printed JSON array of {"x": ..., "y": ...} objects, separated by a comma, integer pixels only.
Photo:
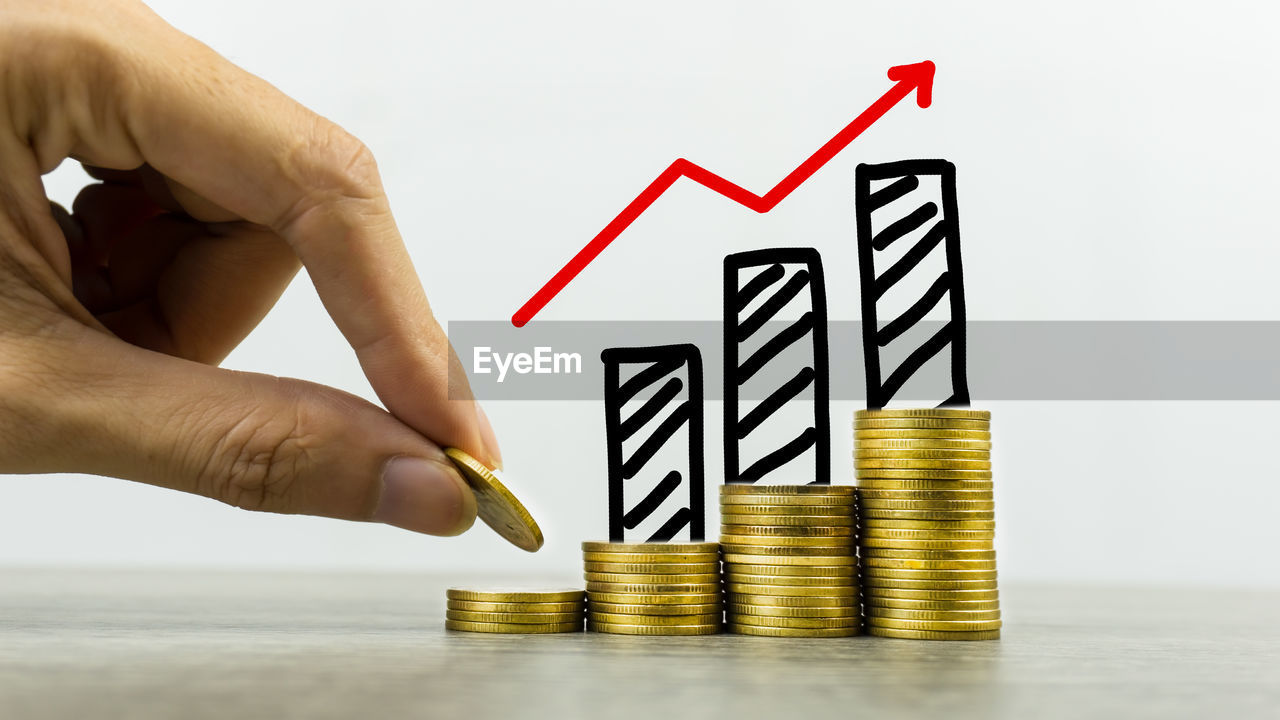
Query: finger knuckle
[{"x": 258, "y": 463}]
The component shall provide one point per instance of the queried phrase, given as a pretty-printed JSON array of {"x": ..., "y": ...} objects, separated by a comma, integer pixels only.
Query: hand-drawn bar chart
[
  {"x": 759, "y": 288},
  {"x": 909, "y": 263},
  {"x": 653, "y": 398}
]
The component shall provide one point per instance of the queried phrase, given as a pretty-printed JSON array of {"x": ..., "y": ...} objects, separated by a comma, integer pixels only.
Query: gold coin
[
  {"x": 647, "y": 548},
  {"x": 918, "y": 443},
  {"x": 621, "y": 609},
  {"x": 792, "y": 590},
  {"x": 960, "y": 625},
  {"x": 872, "y": 504},
  {"x": 829, "y": 521},
  {"x": 593, "y": 557},
  {"x": 903, "y": 544},
  {"x": 806, "y": 571},
  {"x": 796, "y": 622},
  {"x": 921, "y": 454},
  {"x": 933, "y": 634},
  {"x": 913, "y": 423},
  {"x": 495, "y": 504},
  {"x": 786, "y": 530},
  {"x": 846, "y": 611},
  {"x": 873, "y": 531},
  {"x": 803, "y": 601},
  {"x": 783, "y": 541},
  {"x": 918, "y": 490},
  {"x": 777, "y": 551},
  {"x": 650, "y": 598},
  {"x": 956, "y": 413},
  {"x": 870, "y": 464},
  {"x": 799, "y": 580},
  {"x": 933, "y": 524},
  {"x": 913, "y": 574},
  {"x": 870, "y": 600},
  {"x": 751, "y": 557},
  {"x": 517, "y": 628},
  {"x": 874, "y": 585},
  {"x": 633, "y": 629},
  {"x": 517, "y": 607},
  {"x": 931, "y": 615},
  {"x": 651, "y": 578},
  {"x": 833, "y": 491},
  {"x": 900, "y": 594},
  {"x": 522, "y": 618},
  {"x": 921, "y": 474},
  {"x": 502, "y": 595},
  {"x": 657, "y": 588},
  {"x": 711, "y": 618},
  {"x": 653, "y": 568},
  {"x": 912, "y": 564},
  {"x": 883, "y": 514},
  {"x": 929, "y": 554},
  {"x": 817, "y": 513},
  {"x": 741, "y": 629},
  {"x": 920, "y": 434},
  {"x": 803, "y": 503}
]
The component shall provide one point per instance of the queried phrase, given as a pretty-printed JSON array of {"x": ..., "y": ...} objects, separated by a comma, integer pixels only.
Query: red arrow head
[{"x": 919, "y": 75}]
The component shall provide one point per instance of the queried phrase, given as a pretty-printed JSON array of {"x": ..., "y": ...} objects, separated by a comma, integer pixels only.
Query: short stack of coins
[
  {"x": 789, "y": 560},
  {"x": 515, "y": 611},
  {"x": 927, "y": 523},
  {"x": 653, "y": 588}
]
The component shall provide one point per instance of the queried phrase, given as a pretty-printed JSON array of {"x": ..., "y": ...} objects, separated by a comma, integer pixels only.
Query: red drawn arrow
[{"x": 917, "y": 76}]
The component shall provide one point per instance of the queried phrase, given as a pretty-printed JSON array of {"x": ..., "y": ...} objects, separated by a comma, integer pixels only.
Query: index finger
[{"x": 244, "y": 145}]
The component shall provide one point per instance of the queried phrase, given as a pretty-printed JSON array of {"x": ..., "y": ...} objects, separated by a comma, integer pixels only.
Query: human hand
[{"x": 217, "y": 187}]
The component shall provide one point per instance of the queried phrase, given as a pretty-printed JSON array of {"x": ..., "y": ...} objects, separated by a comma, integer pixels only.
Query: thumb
[{"x": 254, "y": 441}]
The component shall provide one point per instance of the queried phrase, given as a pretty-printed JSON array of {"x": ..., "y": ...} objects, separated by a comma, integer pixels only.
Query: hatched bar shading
[
  {"x": 757, "y": 286},
  {"x": 901, "y": 207},
  {"x": 653, "y": 397}
]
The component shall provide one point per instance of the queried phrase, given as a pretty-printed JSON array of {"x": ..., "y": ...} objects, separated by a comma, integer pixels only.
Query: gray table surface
[{"x": 194, "y": 645}]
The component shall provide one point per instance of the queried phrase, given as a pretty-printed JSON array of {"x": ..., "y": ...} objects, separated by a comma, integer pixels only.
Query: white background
[{"x": 1115, "y": 162}]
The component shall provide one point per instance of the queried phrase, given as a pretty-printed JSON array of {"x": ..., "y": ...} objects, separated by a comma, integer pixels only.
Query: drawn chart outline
[
  {"x": 950, "y": 284},
  {"x": 662, "y": 361},
  {"x": 770, "y": 264}
]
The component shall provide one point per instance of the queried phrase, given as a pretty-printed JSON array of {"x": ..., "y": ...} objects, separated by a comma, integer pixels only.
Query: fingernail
[
  {"x": 489, "y": 437},
  {"x": 425, "y": 496}
]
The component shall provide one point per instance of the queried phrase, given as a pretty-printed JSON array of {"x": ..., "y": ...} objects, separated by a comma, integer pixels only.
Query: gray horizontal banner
[{"x": 1006, "y": 360}]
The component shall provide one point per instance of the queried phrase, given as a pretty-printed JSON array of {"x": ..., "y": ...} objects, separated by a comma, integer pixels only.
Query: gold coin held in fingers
[{"x": 495, "y": 504}]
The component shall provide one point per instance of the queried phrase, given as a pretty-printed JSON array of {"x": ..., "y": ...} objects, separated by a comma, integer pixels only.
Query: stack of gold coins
[
  {"x": 515, "y": 611},
  {"x": 653, "y": 588},
  {"x": 928, "y": 523},
  {"x": 789, "y": 563}
]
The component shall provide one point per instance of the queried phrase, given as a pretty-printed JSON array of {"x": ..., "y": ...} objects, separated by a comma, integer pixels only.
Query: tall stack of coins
[
  {"x": 515, "y": 611},
  {"x": 789, "y": 563},
  {"x": 653, "y": 588},
  {"x": 928, "y": 523}
]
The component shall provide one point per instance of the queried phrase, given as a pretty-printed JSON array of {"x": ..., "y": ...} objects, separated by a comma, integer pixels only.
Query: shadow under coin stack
[
  {"x": 515, "y": 611},
  {"x": 789, "y": 563},
  {"x": 653, "y": 588},
  {"x": 928, "y": 523}
]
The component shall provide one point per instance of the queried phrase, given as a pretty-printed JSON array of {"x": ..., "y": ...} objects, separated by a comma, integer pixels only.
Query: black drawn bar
[
  {"x": 671, "y": 411},
  {"x": 900, "y": 209},
  {"x": 759, "y": 274}
]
